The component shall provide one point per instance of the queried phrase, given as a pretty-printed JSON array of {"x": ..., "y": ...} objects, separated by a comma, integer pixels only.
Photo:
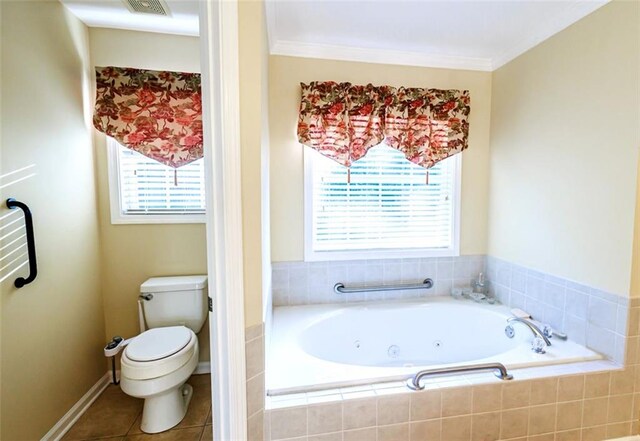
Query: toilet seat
[
  {"x": 158, "y": 363},
  {"x": 158, "y": 343}
]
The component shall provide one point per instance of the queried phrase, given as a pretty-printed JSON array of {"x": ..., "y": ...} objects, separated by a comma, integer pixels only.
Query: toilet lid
[{"x": 158, "y": 343}]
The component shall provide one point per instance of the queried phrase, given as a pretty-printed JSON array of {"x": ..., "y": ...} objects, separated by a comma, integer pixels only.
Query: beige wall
[
  {"x": 285, "y": 75},
  {"x": 564, "y": 151},
  {"x": 52, "y": 330},
  {"x": 635, "y": 263},
  {"x": 133, "y": 253},
  {"x": 254, "y": 155}
]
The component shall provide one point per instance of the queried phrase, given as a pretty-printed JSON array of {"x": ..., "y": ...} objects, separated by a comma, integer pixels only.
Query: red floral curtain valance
[
  {"x": 156, "y": 113},
  {"x": 343, "y": 121}
]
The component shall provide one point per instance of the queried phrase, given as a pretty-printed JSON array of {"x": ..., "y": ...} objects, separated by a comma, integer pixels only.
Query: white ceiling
[
  {"x": 473, "y": 34},
  {"x": 114, "y": 14},
  {"x": 478, "y": 35}
]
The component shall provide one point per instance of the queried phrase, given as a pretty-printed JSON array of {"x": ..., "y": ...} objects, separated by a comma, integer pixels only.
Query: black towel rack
[{"x": 31, "y": 245}]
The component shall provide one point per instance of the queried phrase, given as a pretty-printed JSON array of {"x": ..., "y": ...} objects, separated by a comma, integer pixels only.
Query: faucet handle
[
  {"x": 538, "y": 345},
  {"x": 547, "y": 330}
]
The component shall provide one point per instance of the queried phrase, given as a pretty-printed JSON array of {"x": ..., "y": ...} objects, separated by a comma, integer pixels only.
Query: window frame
[
  {"x": 118, "y": 217},
  {"x": 311, "y": 255}
]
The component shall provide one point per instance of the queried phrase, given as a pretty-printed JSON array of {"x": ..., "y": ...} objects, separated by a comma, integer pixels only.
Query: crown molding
[
  {"x": 574, "y": 13},
  {"x": 367, "y": 55}
]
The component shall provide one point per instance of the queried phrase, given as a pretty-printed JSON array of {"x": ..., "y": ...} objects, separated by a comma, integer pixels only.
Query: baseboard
[
  {"x": 204, "y": 367},
  {"x": 64, "y": 424}
]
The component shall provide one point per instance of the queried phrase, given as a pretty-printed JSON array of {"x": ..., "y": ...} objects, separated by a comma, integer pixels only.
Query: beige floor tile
[
  {"x": 207, "y": 433},
  {"x": 189, "y": 434},
  {"x": 111, "y": 415},
  {"x": 368, "y": 434}
]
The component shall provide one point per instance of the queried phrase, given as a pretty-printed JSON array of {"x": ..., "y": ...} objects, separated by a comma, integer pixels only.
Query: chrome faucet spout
[{"x": 532, "y": 326}]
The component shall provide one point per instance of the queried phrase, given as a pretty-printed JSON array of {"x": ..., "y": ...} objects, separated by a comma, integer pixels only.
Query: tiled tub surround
[
  {"x": 543, "y": 404},
  {"x": 307, "y": 283},
  {"x": 587, "y": 315},
  {"x": 580, "y": 401},
  {"x": 254, "y": 355}
]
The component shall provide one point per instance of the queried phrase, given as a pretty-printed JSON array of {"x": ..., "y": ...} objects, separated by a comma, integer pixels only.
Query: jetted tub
[{"x": 319, "y": 347}]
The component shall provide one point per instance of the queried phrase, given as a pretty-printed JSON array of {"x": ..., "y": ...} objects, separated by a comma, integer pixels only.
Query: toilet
[{"x": 156, "y": 364}]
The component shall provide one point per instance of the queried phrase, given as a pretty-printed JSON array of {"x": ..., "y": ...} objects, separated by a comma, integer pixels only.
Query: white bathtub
[{"x": 329, "y": 346}]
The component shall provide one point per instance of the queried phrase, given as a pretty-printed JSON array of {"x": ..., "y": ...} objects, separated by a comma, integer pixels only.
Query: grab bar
[
  {"x": 339, "y": 288},
  {"x": 413, "y": 383},
  {"x": 31, "y": 245}
]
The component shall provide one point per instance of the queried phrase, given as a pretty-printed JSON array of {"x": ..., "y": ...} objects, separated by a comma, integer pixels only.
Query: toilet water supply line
[{"x": 117, "y": 343}]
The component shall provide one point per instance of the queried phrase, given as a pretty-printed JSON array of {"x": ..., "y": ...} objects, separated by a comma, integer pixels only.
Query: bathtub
[{"x": 316, "y": 347}]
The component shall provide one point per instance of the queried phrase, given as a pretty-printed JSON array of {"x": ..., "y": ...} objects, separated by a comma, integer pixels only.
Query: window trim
[
  {"x": 311, "y": 255},
  {"x": 115, "y": 204}
]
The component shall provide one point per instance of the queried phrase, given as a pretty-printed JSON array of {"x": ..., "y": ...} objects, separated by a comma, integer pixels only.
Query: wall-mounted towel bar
[
  {"x": 498, "y": 368},
  {"x": 339, "y": 288},
  {"x": 31, "y": 245}
]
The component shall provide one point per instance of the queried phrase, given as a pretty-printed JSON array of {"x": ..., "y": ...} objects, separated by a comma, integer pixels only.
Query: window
[
  {"x": 145, "y": 191},
  {"x": 386, "y": 211}
]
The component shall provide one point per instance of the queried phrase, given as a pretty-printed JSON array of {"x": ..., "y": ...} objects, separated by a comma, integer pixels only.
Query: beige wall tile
[
  {"x": 254, "y": 351},
  {"x": 569, "y": 415},
  {"x": 622, "y": 382},
  {"x": 255, "y": 394},
  {"x": 255, "y": 427},
  {"x": 543, "y": 437},
  {"x": 597, "y": 385},
  {"x": 393, "y": 409},
  {"x": 595, "y": 411},
  {"x": 485, "y": 426},
  {"x": 620, "y": 407},
  {"x": 368, "y": 434},
  {"x": 326, "y": 437},
  {"x": 597, "y": 433},
  {"x": 288, "y": 423},
  {"x": 569, "y": 435},
  {"x": 544, "y": 391},
  {"x": 456, "y": 428},
  {"x": 426, "y": 405},
  {"x": 359, "y": 413},
  {"x": 395, "y": 432},
  {"x": 324, "y": 418},
  {"x": 571, "y": 388},
  {"x": 426, "y": 430},
  {"x": 542, "y": 419},
  {"x": 516, "y": 394},
  {"x": 514, "y": 423},
  {"x": 487, "y": 398},
  {"x": 618, "y": 430},
  {"x": 456, "y": 401}
]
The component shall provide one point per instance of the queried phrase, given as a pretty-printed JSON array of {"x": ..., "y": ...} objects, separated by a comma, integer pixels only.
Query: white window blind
[
  {"x": 148, "y": 189},
  {"x": 386, "y": 206}
]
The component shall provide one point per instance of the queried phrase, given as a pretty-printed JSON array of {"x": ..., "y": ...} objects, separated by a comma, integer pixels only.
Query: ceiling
[
  {"x": 183, "y": 19},
  {"x": 474, "y": 34}
]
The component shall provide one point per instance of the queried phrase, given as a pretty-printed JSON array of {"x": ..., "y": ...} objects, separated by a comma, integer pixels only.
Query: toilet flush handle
[{"x": 146, "y": 297}]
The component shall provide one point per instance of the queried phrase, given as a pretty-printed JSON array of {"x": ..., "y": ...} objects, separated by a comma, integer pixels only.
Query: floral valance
[
  {"x": 343, "y": 121},
  {"x": 156, "y": 113}
]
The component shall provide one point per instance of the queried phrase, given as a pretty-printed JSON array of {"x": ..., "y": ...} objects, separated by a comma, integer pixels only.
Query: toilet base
[{"x": 164, "y": 411}]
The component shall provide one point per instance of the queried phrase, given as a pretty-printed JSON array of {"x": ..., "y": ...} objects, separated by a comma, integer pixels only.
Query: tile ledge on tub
[{"x": 468, "y": 380}]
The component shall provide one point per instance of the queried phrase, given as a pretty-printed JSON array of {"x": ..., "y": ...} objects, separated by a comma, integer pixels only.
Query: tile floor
[{"x": 115, "y": 416}]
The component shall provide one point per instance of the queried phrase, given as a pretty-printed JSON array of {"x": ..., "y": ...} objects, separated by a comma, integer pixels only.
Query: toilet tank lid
[{"x": 173, "y": 283}]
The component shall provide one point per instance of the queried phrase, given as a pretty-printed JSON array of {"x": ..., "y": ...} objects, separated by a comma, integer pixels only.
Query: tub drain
[{"x": 393, "y": 351}]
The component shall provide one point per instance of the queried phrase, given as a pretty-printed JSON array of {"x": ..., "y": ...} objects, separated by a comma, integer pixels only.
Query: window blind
[
  {"x": 149, "y": 187},
  {"x": 386, "y": 205}
]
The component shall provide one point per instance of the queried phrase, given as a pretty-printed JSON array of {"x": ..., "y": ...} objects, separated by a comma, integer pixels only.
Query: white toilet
[{"x": 156, "y": 364}]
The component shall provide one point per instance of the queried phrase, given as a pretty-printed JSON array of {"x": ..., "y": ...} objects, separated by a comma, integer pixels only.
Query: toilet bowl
[{"x": 155, "y": 366}]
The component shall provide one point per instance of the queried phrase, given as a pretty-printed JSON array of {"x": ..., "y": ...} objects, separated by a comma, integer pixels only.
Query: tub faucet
[{"x": 536, "y": 331}]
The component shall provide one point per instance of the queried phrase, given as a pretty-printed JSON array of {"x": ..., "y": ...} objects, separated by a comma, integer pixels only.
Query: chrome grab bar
[
  {"x": 339, "y": 288},
  {"x": 413, "y": 383}
]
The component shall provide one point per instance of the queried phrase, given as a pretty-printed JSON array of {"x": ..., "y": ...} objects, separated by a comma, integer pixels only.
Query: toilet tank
[{"x": 176, "y": 300}]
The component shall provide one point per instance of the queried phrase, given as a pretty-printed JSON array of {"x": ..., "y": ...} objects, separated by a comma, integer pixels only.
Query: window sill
[
  {"x": 397, "y": 253},
  {"x": 155, "y": 219}
]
